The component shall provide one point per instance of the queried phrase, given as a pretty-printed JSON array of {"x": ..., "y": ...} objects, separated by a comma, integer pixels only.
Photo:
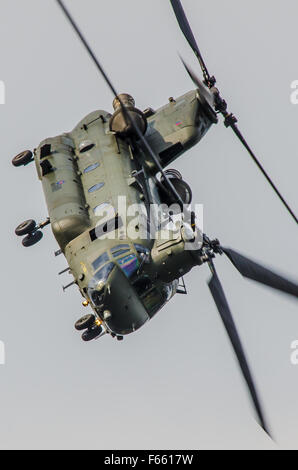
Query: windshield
[
  {"x": 97, "y": 283},
  {"x": 102, "y": 259},
  {"x": 120, "y": 250},
  {"x": 129, "y": 265}
]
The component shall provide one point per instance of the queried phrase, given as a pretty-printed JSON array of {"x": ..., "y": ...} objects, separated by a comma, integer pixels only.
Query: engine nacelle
[{"x": 181, "y": 187}]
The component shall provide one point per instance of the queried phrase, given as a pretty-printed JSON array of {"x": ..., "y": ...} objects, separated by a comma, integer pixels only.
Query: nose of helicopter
[{"x": 127, "y": 312}]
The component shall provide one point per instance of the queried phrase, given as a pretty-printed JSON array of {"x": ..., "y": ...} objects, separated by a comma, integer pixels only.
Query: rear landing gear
[
  {"x": 32, "y": 239},
  {"x": 25, "y": 228},
  {"x": 32, "y": 231},
  {"x": 23, "y": 158}
]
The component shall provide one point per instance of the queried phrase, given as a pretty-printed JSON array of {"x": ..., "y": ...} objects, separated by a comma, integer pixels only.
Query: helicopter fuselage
[{"x": 99, "y": 189}]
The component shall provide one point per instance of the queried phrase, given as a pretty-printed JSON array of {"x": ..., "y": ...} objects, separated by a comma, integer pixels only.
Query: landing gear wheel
[
  {"x": 85, "y": 322},
  {"x": 92, "y": 333},
  {"x": 31, "y": 240},
  {"x": 25, "y": 228},
  {"x": 22, "y": 158}
]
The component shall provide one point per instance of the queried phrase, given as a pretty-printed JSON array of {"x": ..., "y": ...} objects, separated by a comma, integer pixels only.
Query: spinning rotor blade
[
  {"x": 258, "y": 273},
  {"x": 88, "y": 48},
  {"x": 126, "y": 114},
  {"x": 219, "y": 104},
  {"x": 237, "y": 132},
  {"x": 203, "y": 90},
  {"x": 186, "y": 30},
  {"x": 226, "y": 316}
]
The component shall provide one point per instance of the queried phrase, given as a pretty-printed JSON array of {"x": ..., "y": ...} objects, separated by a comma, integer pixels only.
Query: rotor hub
[{"x": 125, "y": 122}]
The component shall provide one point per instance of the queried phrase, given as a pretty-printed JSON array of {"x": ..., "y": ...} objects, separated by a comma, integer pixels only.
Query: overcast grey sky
[{"x": 175, "y": 383}]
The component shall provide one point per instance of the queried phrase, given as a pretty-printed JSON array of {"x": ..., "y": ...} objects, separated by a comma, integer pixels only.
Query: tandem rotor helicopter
[{"x": 125, "y": 280}]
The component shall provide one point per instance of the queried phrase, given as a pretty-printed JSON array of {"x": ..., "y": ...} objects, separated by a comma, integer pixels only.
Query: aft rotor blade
[
  {"x": 203, "y": 90},
  {"x": 259, "y": 273},
  {"x": 236, "y": 130},
  {"x": 186, "y": 30},
  {"x": 226, "y": 316},
  {"x": 220, "y": 104}
]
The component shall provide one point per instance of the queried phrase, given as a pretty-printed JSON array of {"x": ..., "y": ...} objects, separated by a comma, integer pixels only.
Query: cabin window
[
  {"x": 104, "y": 209},
  {"x": 91, "y": 167},
  {"x": 96, "y": 187},
  {"x": 102, "y": 259},
  {"x": 86, "y": 146}
]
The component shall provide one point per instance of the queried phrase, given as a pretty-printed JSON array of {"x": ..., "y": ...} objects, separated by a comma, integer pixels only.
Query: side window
[
  {"x": 96, "y": 187},
  {"x": 91, "y": 167},
  {"x": 104, "y": 208},
  {"x": 86, "y": 145}
]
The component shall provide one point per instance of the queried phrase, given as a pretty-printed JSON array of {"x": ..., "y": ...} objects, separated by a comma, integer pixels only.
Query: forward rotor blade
[
  {"x": 88, "y": 48},
  {"x": 203, "y": 90},
  {"x": 186, "y": 30},
  {"x": 124, "y": 110},
  {"x": 226, "y": 316},
  {"x": 259, "y": 273}
]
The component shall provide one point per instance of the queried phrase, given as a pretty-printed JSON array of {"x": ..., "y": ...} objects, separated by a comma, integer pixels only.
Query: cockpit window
[
  {"x": 103, "y": 274},
  {"x": 129, "y": 264},
  {"x": 102, "y": 259},
  {"x": 142, "y": 249},
  {"x": 97, "y": 283},
  {"x": 120, "y": 250}
]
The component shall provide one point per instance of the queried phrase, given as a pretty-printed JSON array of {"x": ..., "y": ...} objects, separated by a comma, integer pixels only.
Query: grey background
[{"x": 175, "y": 383}]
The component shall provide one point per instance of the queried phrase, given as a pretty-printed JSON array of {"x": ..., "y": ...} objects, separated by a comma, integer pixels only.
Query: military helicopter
[{"x": 127, "y": 279}]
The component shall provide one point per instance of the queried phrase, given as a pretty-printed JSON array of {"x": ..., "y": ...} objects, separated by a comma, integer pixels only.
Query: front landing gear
[
  {"x": 93, "y": 326},
  {"x": 85, "y": 322},
  {"x": 93, "y": 333},
  {"x": 32, "y": 231}
]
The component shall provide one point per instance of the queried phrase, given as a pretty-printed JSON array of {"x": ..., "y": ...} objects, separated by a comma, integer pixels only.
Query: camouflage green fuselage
[{"x": 84, "y": 173}]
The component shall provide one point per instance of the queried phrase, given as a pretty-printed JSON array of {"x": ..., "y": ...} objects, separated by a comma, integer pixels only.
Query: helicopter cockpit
[{"x": 124, "y": 296}]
